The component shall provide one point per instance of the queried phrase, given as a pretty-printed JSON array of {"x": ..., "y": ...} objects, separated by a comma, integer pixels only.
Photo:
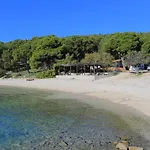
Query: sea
[{"x": 45, "y": 120}]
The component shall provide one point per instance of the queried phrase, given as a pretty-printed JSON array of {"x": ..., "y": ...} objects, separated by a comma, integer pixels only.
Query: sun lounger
[{"x": 29, "y": 79}]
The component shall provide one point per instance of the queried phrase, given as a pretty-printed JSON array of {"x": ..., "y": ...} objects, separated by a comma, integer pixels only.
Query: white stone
[
  {"x": 121, "y": 146},
  {"x": 135, "y": 148}
]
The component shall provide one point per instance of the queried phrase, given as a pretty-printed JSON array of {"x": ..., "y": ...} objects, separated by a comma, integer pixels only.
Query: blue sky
[{"x": 24, "y": 19}]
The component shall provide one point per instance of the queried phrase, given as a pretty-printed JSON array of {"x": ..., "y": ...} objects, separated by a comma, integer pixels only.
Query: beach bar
[{"x": 78, "y": 69}]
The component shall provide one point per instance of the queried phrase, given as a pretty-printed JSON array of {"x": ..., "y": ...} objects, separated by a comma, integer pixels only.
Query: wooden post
[
  {"x": 59, "y": 70},
  {"x": 65, "y": 70},
  {"x": 123, "y": 63},
  {"x": 90, "y": 70},
  {"x": 70, "y": 69},
  {"x": 76, "y": 68},
  {"x": 94, "y": 69},
  {"x": 94, "y": 72}
]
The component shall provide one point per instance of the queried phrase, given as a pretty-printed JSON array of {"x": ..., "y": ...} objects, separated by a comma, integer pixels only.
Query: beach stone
[
  {"x": 42, "y": 143},
  {"x": 125, "y": 143},
  {"x": 121, "y": 146},
  {"x": 135, "y": 148},
  {"x": 63, "y": 144}
]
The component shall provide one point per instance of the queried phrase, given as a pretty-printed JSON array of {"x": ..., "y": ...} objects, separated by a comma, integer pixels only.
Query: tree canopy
[
  {"x": 46, "y": 51},
  {"x": 119, "y": 44}
]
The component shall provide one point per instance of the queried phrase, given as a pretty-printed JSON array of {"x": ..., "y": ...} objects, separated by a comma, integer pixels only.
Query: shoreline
[
  {"x": 107, "y": 94},
  {"x": 121, "y": 89},
  {"x": 127, "y": 92}
]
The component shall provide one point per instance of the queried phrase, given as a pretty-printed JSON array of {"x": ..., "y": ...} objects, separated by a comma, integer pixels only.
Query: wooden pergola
[{"x": 79, "y": 68}]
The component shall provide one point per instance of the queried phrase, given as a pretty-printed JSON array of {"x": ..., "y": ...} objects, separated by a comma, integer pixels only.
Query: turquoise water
[{"x": 33, "y": 119}]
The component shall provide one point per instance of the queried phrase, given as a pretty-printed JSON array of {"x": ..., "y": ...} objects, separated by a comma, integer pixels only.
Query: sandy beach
[
  {"x": 124, "y": 94},
  {"x": 125, "y": 89}
]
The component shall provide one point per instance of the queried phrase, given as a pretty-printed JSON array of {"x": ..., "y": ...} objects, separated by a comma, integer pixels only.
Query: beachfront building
[
  {"x": 118, "y": 63},
  {"x": 79, "y": 68},
  {"x": 87, "y": 68}
]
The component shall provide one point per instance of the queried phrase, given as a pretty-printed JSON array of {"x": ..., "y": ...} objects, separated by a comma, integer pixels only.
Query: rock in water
[
  {"x": 135, "y": 148},
  {"x": 125, "y": 143},
  {"x": 121, "y": 146}
]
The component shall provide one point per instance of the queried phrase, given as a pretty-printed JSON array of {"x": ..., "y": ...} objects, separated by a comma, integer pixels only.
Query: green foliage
[
  {"x": 146, "y": 43},
  {"x": 78, "y": 46},
  {"x": 119, "y": 44},
  {"x": 46, "y": 74},
  {"x": 106, "y": 59},
  {"x": 49, "y": 51},
  {"x": 67, "y": 60},
  {"x": 91, "y": 58},
  {"x": 135, "y": 58},
  {"x": 103, "y": 58},
  {"x": 2, "y": 72},
  {"x": 22, "y": 74},
  {"x": 7, "y": 60}
]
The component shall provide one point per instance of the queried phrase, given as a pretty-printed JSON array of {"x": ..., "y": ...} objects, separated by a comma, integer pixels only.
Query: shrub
[
  {"x": 16, "y": 75},
  {"x": 46, "y": 74},
  {"x": 2, "y": 72}
]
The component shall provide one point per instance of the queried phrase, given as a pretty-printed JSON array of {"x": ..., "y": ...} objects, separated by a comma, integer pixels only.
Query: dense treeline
[{"x": 47, "y": 51}]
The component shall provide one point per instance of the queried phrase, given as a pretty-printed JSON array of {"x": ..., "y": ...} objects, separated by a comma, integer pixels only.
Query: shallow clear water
[{"x": 33, "y": 119}]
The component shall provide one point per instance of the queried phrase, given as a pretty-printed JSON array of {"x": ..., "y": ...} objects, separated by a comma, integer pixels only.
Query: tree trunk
[
  {"x": 123, "y": 63},
  {"x": 28, "y": 71}
]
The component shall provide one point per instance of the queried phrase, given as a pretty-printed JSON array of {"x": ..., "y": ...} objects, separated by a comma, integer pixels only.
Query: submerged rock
[
  {"x": 125, "y": 143},
  {"x": 134, "y": 148},
  {"x": 121, "y": 146}
]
